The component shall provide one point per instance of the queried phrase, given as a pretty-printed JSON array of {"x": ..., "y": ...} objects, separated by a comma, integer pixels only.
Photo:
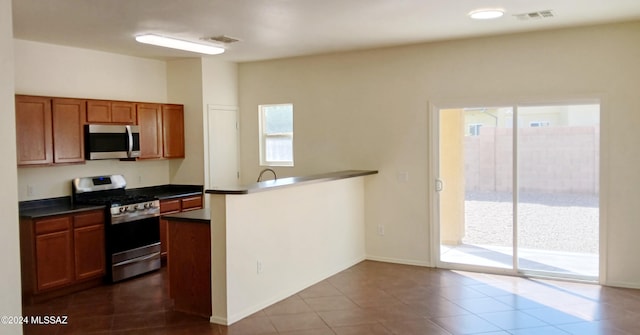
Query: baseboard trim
[
  {"x": 398, "y": 261},
  {"x": 231, "y": 319},
  {"x": 622, "y": 284},
  {"x": 218, "y": 320}
]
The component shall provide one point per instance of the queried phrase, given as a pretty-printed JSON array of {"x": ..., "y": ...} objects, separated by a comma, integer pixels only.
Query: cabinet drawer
[
  {"x": 88, "y": 219},
  {"x": 169, "y": 206},
  {"x": 192, "y": 203},
  {"x": 52, "y": 225}
]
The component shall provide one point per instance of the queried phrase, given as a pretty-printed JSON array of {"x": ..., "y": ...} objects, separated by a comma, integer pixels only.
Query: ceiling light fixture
[
  {"x": 174, "y": 43},
  {"x": 486, "y": 14}
]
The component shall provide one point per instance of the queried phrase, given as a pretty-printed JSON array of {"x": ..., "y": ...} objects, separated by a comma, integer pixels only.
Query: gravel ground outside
[{"x": 554, "y": 222}]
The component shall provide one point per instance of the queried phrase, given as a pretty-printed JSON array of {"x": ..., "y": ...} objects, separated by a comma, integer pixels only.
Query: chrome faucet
[{"x": 265, "y": 170}]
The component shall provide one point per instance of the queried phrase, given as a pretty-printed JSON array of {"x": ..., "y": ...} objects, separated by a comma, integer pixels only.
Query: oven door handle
[
  {"x": 129, "y": 141},
  {"x": 138, "y": 259}
]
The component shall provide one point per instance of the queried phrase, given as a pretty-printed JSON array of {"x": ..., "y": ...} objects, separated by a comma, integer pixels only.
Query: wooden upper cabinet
[
  {"x": 173, "y": 131},
  {"x": 98, "y": 111},
  {"x": 33, "y": 130},
  {"x": 150, "y": 123},
  {"x": 68, "y": 131},
  {"x": 104, "y": 111},
  {"x": 49, "y": 130},
  {"x": 123, "y": 112}
]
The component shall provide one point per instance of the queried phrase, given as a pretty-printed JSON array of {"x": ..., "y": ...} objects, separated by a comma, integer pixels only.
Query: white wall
[
  {"x": 53, "y": 70},
  {"x": 368, "y": 110},
  {"x": 299, "y": 234},
  {"x": 11, "y": 302}
]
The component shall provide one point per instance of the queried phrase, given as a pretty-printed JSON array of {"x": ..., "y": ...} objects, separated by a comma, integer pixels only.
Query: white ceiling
[{"x": 270, "y": 29}]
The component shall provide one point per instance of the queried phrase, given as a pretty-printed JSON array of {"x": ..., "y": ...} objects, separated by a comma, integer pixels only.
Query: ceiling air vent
[
  {"x": 543, "y": 14},
  {"x": 221, "y": 39}
]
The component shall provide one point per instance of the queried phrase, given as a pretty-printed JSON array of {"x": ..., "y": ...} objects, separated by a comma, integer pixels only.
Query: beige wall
[
  {"x": 220, "y": 89},
  {"x": 219, "y": 82},
  {"x": 299, "y": 235},
  {"x": 53, "y": 70},
  {"x": 184, "y": 86},
  {"x": 197, "y": 83},
  {"x": 10, "y": 303},
  {"x": 368, "y": 110}
]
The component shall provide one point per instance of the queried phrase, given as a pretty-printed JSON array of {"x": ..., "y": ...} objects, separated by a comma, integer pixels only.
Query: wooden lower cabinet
[
  {"x": 172, "y": 206},
  {"x": 190, "y": 266},
  {"x": 89, "y": 248},
  {"x": 54, "y": 259},
  {"x": 60, "y": 252}
]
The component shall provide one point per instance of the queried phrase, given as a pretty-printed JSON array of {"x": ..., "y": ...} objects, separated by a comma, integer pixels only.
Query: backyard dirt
[{"x": 557, "y": 222}]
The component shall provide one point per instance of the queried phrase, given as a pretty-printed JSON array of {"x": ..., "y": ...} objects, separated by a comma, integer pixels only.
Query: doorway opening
[{"x": 519, "y": 189}]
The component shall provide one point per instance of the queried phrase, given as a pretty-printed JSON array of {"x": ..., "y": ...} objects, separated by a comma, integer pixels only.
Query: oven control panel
[{"x": 137, "y": 211}]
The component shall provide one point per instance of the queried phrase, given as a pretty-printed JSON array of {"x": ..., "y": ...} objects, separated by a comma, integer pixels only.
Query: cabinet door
[
  {"x": 166, "y": 207},
  {"x": 68, "y": 132},
  {"x": 98, "y": 111},
  {"x": 191, "y": 203},
  {"x": 150, "y": 123},
  {"x": 33, "y": 130},
  {"x": 123, "y": 112},
  {"x": 54, "y": 253},
  {"x": 89, "y": 248},
  {"x": 164, "y": 242},
  {"x": 89, "y": 251},
  {"x": 173, "y": 131}
]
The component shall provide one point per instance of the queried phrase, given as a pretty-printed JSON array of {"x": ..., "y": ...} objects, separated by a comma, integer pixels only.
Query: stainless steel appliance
[
  {"x": 111, "y": 141},
  {"x": 132, "y": 231}
]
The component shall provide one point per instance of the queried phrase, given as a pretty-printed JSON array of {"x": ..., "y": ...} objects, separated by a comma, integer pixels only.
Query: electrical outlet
[
  {"x": 381, "y": 230},
  {"x": 258, "y": 267},
  {"x": 30, "y": 190}
]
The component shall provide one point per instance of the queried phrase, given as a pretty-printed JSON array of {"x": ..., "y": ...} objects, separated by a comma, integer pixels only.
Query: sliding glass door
[
  {"x": 476, "y": 201},
  {"x": 558, "y": 187},
  {"x": 518, "y": 189}
]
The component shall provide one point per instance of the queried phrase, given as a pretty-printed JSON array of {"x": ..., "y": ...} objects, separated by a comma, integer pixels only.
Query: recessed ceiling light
[
  {"x": 486, "y": 13},
  {"x": 169, "y": 42}
]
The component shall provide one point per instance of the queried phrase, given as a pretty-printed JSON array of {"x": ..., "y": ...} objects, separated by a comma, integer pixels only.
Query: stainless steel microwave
[{"x": 111, "y": 141}]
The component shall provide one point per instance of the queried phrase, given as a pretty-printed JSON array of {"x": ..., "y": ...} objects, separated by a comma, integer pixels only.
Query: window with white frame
[
  {"x": 276, "y": 134},
  {"x": 474, "y": 129}
]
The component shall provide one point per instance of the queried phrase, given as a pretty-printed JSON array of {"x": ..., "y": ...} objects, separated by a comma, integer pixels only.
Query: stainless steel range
[{"x": 132, "y": 231}]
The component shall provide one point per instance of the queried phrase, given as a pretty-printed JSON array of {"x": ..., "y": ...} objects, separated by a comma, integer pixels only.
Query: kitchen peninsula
[{"x": 272, "y": 239}]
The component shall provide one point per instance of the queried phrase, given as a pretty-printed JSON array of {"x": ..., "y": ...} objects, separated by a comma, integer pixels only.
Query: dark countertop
[
  {"x": 53, "y": 206},
  {"x": 34, "y": 209},
  {"x": 291, "y": 181},
  {"x": 198, "y": 215},
  {"x": 169, "y": 191}
]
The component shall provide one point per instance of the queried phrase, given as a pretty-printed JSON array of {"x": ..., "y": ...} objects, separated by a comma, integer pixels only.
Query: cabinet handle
[{"x": 138, "y": 259}]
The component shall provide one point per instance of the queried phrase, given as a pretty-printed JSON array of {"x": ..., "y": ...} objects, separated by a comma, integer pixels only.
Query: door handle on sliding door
[{"x": 439, "y": 185}]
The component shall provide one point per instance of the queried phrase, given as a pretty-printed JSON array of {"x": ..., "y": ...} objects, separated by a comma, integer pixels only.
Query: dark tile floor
[{"x": 369, "y": 298}]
